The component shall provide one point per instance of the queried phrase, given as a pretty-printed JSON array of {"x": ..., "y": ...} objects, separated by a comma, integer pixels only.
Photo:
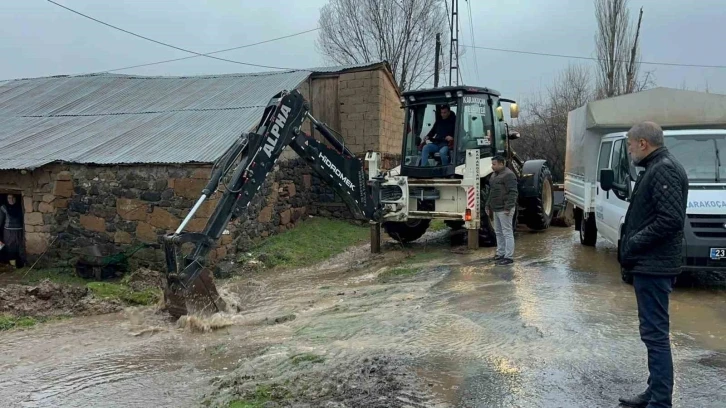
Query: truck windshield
[{"x": 702, "y": 155}]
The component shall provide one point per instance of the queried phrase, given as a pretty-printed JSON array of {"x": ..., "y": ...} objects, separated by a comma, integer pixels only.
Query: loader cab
[{"x": 479, "y": 125}]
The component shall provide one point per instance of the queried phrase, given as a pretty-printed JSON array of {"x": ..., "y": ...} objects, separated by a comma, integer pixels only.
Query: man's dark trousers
[{"x": 651, "y": 293}]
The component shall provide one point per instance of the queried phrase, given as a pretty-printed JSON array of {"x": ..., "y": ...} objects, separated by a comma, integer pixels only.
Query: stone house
[{"x": 115, "y": 161}]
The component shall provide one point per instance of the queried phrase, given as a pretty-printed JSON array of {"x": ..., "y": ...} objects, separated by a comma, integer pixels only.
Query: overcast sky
[{"x": 38, "y": 38}]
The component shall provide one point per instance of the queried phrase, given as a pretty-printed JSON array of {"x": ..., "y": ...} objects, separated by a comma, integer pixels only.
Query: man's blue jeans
[
  {"x": 651, "y": 293},
  {"x": 430, "y": 148}
]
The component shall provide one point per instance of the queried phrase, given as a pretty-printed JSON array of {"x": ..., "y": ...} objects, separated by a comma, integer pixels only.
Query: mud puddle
[{"x": 424, "y": 326}]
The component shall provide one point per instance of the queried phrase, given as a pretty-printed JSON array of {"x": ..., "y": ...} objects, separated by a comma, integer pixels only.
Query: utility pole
[
  {"x": 630, "y": 73},
  {"x": 436, "y": 66},
  {"x": 454, "y": 26}
]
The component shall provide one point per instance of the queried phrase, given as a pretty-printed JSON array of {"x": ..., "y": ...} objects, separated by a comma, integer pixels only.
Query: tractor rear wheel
[
  {"x": 454, "y": 225},
  {"x": 407, "y": 231},
  {"x": 540, "y": 208}
]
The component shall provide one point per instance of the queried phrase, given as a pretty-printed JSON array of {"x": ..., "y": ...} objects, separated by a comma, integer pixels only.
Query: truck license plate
[{"x": 718, "y": 253}]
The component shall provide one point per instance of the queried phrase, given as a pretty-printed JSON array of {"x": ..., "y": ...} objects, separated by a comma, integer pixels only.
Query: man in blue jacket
[{"x": 650, "y": 251}]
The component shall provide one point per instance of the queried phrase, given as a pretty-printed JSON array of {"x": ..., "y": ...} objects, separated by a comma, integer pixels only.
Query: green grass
[
  {"x": 306, "y": 357},
  {"x": 407, "y": 267},
  {"x": 391, "y": 274},
  {"x": 421, "y": 257},
  {"x": 11, "y": 322},
  {"x": 310, "y": 242},
  {"x": 260, "y": 396},
  {"x": 103, "y": 290},
  {"x": 59, "y": 275},
  {"x": 108, "y": 290},
  {"x": 437, "y": 225}
]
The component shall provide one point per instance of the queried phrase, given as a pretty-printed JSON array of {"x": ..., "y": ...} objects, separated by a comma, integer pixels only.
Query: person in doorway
[
  {"x": 502, "y": 202},
  {"x": 650, "y": 252},
  {"x": 440, "y": 138},
  {"x": 11, "y": 228}
]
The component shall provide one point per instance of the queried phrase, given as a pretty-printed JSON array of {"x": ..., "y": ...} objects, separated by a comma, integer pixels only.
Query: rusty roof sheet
[{"x": 130, "y": 119}]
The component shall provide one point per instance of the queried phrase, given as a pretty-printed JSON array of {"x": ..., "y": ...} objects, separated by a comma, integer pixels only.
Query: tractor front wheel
[{"x": 540, "y": 208}]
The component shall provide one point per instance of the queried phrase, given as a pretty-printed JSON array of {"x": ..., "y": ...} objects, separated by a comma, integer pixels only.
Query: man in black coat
[{"x": 650, "y": 251}]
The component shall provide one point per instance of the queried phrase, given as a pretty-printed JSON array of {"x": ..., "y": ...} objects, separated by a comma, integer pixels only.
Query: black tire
[
  {"x": 588, "y": 231},
  {"x": 454, "y": 225},
  {"x": 540, "y": 209},
  {"x": 408, "y": 231}
]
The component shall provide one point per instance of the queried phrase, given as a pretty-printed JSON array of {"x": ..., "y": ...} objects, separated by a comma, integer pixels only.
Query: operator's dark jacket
[
  {"x": 652, "y": 236},
  {"x": 503, "y": 191}
]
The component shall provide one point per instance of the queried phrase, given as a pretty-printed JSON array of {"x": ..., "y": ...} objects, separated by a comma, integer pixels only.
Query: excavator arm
[{"x": 189, "y": 288}]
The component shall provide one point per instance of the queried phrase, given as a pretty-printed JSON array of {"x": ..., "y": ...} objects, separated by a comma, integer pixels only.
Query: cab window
[
  {"x": 421, "y": 119},
  {"x": 620, "y": 163},
  {"x": 604, "y": 161}
]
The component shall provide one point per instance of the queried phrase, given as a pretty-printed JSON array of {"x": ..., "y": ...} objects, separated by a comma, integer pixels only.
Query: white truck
[{"x": 694, "y": 125}]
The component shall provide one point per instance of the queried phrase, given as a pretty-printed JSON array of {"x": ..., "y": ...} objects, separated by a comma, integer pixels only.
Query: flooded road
[{"x": 439, "y": 326}]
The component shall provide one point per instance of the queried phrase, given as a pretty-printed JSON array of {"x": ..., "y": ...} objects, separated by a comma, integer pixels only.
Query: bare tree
[
  {"x": 618, "y": 50},
  {"x": 543, "y": 124},
  {"x": 402, "y": 32}
]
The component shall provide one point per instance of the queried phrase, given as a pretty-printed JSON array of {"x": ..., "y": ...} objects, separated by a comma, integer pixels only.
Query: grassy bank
[
  {"x": 312, "y": 241},
  {"x": 8, "y": 322},
  {"x": 117, "y": 290},
  {"x": 409, "y": 266}
]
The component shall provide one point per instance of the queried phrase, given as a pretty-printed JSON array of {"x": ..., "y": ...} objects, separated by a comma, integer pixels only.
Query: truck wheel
[
  {"x": 454, "y": 225},
  {"x": 588, "y": 231},
  {"x": 407, "y": 231},
  {"x": 539, "y": 209}
]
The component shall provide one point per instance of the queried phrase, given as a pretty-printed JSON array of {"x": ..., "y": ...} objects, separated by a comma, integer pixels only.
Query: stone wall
[{"x": 117, "y": 208}]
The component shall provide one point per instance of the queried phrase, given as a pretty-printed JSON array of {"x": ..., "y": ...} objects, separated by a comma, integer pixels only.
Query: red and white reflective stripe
[{"x": 471, "y": 198}]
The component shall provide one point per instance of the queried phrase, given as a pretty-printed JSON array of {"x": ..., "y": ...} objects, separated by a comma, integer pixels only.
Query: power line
[
  {"x": 592, "y": 58},
  {"x": 163, "y": 43},
  {"x": 209, "y": 53}
]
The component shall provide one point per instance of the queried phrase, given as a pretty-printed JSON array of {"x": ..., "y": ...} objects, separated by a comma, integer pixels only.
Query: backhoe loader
[{"x": 403, "y": 200}]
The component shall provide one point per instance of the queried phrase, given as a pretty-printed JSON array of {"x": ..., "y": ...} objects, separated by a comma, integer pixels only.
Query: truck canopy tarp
[{"x": 670, "y": 108}]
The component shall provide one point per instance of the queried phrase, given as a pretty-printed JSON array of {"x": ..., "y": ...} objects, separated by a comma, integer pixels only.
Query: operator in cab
[{"x": 441, "y": 137}]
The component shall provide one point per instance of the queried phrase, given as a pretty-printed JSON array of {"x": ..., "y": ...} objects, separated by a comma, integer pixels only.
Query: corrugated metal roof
[
  {"x": 128, "y": 119},
  {"x": 122, "y": 119}
]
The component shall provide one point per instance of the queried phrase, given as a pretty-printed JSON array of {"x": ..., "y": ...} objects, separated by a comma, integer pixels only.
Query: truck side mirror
[
  {"x": 500, "y": 113},
  {"x": 607, "y": 178},
  {"x": 513, "y": 111},
  {"x": 514, "y": 135}
]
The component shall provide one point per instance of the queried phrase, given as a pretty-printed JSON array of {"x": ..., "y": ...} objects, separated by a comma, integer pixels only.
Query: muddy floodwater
[{"x": 426, "y": 326}]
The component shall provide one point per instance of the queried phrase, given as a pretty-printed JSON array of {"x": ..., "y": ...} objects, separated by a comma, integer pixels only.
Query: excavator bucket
[{"x": 199, "y": 298}]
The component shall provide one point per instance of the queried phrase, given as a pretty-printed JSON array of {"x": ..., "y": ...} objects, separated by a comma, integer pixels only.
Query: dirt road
[{"x": 421, "y": 327}]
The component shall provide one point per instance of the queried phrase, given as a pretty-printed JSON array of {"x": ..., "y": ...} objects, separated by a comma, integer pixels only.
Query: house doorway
[{"x": 12, "y": 229}]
